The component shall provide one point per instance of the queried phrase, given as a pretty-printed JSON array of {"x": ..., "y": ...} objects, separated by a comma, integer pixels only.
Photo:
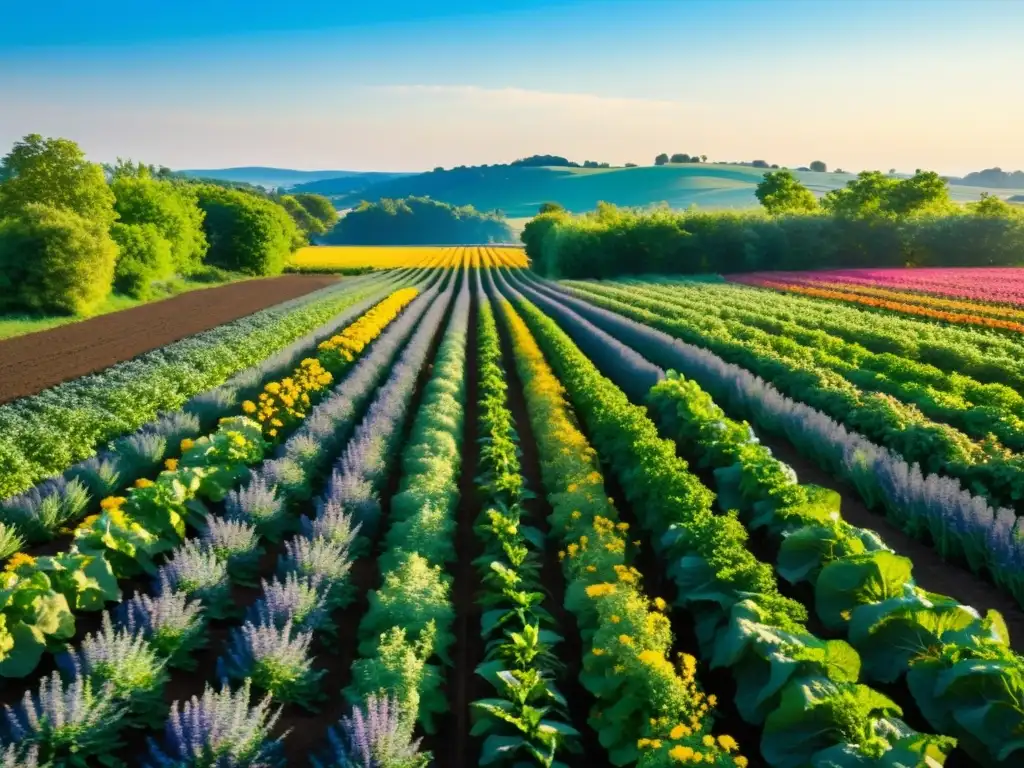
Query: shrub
[
  {"x": 144, "y": 258},
  {"x": 55, "y": 261},
  {"x": 246, "y": 233}
]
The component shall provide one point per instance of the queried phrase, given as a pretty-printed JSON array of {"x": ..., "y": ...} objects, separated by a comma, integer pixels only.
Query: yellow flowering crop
[{"x": 401, "y": 257}]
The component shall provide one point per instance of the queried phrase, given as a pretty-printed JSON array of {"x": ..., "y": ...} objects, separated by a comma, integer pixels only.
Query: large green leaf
[
  {"x": 805, "y": 551},
  {"x": 859, "y": 580}
]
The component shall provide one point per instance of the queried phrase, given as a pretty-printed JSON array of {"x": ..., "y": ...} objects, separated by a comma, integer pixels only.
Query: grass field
[
  {"x": 467, "y": 516},
  {"x": 518, "y": 192}
]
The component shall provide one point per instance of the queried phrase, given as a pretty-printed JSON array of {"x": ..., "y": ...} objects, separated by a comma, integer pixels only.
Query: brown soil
[{"x": 34, "y": 362}]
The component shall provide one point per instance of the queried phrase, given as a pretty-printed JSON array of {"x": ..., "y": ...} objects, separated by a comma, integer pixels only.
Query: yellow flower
[
  {"x": 600, "y": 590},
  {"x": 708, "y": 740},
  {"x": 113, "y": 502},
  {"x": 187, "y": 444},
  {"x": 625, "y": 639},
  {"x": 249, "y": 406},
  {"x": 660, "y": 604},
  {"x": 712, "y": 700},
  {"x": 576, "y": 514},
  {"x": 171, "y": 465},
  {"x": 728, "y": 743},
  {"x": 18, "y": 559},
  {"x": 680, "y": 732},
  {"x": 616, "y": 619},
  {"x": 591, "y": 569},
  {"x": 681, "y": 753},
  {"x": 143, "y": 482},
  {"x": 272, "y": 433},
  {"x": 238, "y": 440},
  {"x": 561, "y": 554},
  {"x": 598, "y": 652},
  {"x": 273, "y": 387},
  {"x": 741, "y": 762}
]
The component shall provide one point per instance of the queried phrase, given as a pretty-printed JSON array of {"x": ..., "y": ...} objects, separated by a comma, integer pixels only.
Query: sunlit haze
[{"x": 397, "y": 86}]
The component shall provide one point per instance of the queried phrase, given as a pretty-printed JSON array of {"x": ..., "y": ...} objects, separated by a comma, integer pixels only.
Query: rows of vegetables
[
  {"x": 282, "y": 545},
  {"x": 955, "y": 664}
]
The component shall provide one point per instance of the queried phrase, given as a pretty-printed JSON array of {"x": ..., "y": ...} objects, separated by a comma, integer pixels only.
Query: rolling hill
[
  {"x": 518, "y": 191},
  {"x": 348, "y": 181}
]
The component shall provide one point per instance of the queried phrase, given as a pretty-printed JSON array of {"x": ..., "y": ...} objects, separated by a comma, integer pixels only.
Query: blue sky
[{"x": 411, "y": 85}]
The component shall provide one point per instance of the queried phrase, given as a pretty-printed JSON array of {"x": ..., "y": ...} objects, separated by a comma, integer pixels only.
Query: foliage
[
  {"x": 418, "y": 220},
  {"x": 376, "y": 734},
  {"x": 53, "y": 260},
  {"x": 781, "y": 192},
  {"x": 54, "y": 173},
  {"x": 173, "y": 209},
  {"x": 144, "y": 257},
  {"x": 246, "y": 233},
  {"x": 173, "y": 625},
  {"x": 818, "y": 166},
  {"x": 277, "y": 660},
  {"x": 320, "y": 208}
]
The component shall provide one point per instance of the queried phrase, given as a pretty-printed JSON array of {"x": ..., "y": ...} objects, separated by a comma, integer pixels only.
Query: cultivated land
[
  {"x": 518, "y": 192},
  {"x": 618, "y": 522},
  {"x": 34, "y": 362}
]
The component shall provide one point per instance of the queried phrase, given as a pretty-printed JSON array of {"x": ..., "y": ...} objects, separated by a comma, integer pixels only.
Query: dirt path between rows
[{"x": 36, "y": 361}]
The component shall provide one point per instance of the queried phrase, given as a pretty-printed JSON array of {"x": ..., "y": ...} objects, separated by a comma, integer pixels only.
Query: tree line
[
  {"x": 874, "y": 221},
  {"x": 72, "y": 231},
  {"x": 418, "y": 221}
]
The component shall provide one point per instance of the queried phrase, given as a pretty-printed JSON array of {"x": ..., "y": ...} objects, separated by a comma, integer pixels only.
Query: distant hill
[
  {"x": 996, "y": 178},
  {"x": 343, "y": 185},
  {"x": 288, "y": 177},
  {"x": 518, "y": 191}
]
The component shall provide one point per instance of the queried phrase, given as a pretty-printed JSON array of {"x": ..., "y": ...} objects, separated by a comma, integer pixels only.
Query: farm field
[
  {"x": 455, "y": 514},
  {"x": 391, "y": 257}
]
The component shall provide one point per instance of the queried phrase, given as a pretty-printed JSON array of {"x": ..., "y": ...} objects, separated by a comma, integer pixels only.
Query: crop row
[
  {"x": 43, "y": 435},
  {"x": 815, "y": 280},
  {"x": 982, "y": 355},
  {"x": 40, "y": 594},
  {"x": 978, "y": 410},
  {"x": 814, "y": 710},
  {"x": 862, "y": 588},
  {"x": 963, "y": 528},
  {"x": 199, "y": 572},
  {"x": 527, "y": 719},
  {"x": 649, "y": 707},
  {"x": 895, "y": 425},
  {"x": 40, "y": 513},
  {"x": 405, "y": 634}
]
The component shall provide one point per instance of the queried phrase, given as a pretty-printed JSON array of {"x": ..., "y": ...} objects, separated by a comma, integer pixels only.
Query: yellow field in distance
[{"x": 398, "y": 257}]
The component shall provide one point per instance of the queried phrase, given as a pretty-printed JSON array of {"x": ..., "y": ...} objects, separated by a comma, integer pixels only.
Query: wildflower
[
  {"x": 561, "y": 554},
  {"x": 728, "y": 743},
  {"x": 576, "y": 515},
  {"x": 187, "y": 444},
  {"x": 598, "y": 651},
  {"x": 625, "y": 639},
  {"x": 681, "y": 753},
  {"x": 238, "y": 439},
  {"x": 616, "y": 619},
  {"x": 171, "y": 465},
  {"x": 591, "y": 569},
  {"x": 741, "y": 762},
  {"x": 679, "y": 732},
  {"x": 712, "y": 700},
  {"x": 600, "y": 590},
  {"x": 249, "y": 406},
  {"x": 18, "y": 559},
  {"x": 660, "y": 604},
  {"x": 708, "y": 740},
  {"x": 143, "y": 482},
  {"x": 112, "y": 502}
]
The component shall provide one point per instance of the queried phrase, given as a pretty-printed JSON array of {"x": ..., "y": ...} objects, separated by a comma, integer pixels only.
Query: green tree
[
  {"x": 781, "y": 192},
  {"x": 304, "y": 222},
  {"x": 246, "y": 232},
  {"x": 140, "y": 198},
  {"x": 661, "y": 159},
  {"x": 550, "y": 207},
  {"x": 923, "y": 192},
  {"x": 819, "y": 166},
  {"x": 320, "y": 208},
  {"x": 53, "y": 260},
  {"x": 992, "y": 207},
  {"x": 679, "y": 157},
  {"x": 145, "y": 257},
  {"x": 874, "y": 195},
  {"x": 54, "y": 172}
]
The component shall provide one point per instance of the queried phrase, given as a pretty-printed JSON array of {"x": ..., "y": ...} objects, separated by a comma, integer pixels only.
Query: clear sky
[{"x": 403, "y": 85}]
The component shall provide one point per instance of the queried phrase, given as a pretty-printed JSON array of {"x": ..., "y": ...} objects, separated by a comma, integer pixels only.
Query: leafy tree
[
  {"x": 305, "y": 224},
  {"x": 661, "y": 159},
  {"x": 54, "y": 172},
  {"x": 320, "y": 208},
  {"x": 418, "y": 221},
  {"x": 679, "y": 158},
  {"x": 144, "y": 258},
  {"x": 873, "y": 194},
  {"x": 703, "y": 158},
  {"x": 550, "y": 207},
  {"x": 630, "y": 165},
  {"x": 781, "y": 192},
  {"x": 53, "y": 260},
  {"x": 247, "y": 233},
  {"x": 991, "y": 207},
  {"x": 819, "y": 166},
  {"x": 140, "y": 198},
  {"x": 760, "y": 164}
]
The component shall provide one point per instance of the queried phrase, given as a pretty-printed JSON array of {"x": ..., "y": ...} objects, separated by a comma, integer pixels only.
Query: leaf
[
  {"x": 23, "y": 658},
  {"x": 497, "y": 748},
  {"x": 859, "y": 580}
]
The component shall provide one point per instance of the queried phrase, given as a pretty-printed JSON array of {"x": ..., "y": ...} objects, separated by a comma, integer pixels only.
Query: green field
[{"x": 519, "y": 191}]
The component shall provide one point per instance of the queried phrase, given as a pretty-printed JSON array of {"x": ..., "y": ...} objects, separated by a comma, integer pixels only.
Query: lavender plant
[
  {"x": 100, "y": 475},
  {"x": 376, "y": 735},
  {"x": 257, "y": 504},
  {"x": 323, "y": 559},
  {"x": 17, "y": 757},
  {"x": 128, "y": 663},
  {"x": 198, "y": 573},
  {"x": 68, "y": 725},
  {"x": 277, "y": 660},
  {"x": 219, "y": 730},
  {"x": 237, "y": 544},
  {"x": 173, "y": 625},
  {"x": 41, "y": 511},
  {"x": 333, "y": 523},
  {"x": 296, "y": 599}
]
